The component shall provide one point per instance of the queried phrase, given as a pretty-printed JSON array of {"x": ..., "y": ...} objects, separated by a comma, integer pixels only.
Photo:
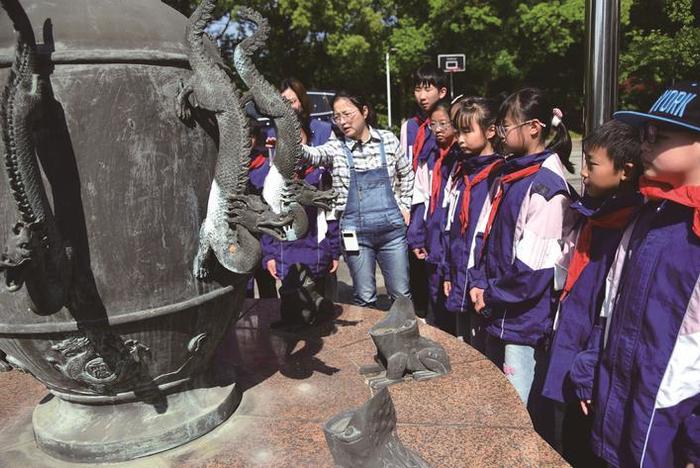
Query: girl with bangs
[
  {"x": 426, "y": 229},
  {"x": 475, "y": 119},
  {"x": 522, "y": 233}
]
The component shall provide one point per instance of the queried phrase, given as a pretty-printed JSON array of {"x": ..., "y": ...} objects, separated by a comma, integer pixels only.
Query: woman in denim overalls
[{"x": 374, "y": 182}]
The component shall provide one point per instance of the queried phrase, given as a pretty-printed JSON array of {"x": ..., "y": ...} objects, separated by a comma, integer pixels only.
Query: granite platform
[{"x": 292, "y": 383}]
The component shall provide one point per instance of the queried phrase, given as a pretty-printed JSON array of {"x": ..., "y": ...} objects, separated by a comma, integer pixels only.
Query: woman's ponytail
[{"x": 561, "y": 143}]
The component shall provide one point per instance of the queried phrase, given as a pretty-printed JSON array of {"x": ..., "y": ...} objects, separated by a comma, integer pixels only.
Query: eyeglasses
[
  {"x": 434, "y": 126},
  {"x": 343, "y": 117},
  {"x": 502, "y": 130}
]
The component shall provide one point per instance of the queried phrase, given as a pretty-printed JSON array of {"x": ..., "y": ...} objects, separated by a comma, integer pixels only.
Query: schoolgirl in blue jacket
[
  {"x": 426, "y": 228},
  {"x": 475, "y": 118},
  {"x": 521, "y": 233},
  {"x": 320, "y": 247},
  {"x": 319, "y": 250}
]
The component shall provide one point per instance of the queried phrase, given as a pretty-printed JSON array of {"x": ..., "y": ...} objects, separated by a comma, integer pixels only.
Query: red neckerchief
[
  {"x": 258, "y": 161},
  {"x": 437, "y": 178},
  {"x": 582, "y": 253},
  {"x": 687, "y": 195},
  {"x": 506, "y": 179},
  {"x": 466, "y": 196},
  {"x": 419, "y": 142}
]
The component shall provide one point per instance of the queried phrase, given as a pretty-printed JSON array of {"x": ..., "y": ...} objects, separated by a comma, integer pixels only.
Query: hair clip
[{"x": 557, "y": 115}]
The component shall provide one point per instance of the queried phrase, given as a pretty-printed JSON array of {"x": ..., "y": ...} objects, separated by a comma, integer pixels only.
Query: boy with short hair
[
  {"x": 610, "y": 175},
  {"x": 647, "y": 394},
  {"x": 429, "y": 86}
]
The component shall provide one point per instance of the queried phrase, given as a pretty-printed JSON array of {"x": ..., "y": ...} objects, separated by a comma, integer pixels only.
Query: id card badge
[{"x": 350, "y": 241}]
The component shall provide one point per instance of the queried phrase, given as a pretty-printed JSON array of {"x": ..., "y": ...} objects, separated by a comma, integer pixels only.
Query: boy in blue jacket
[
  {"x": 429, "y": 86},
  {"x": 646, "y": 398},
  {"x": 610, "y": 175}
]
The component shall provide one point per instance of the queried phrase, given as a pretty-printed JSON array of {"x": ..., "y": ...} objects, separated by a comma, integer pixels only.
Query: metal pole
[
  {"x": 388, "y": 89},
  {"x": 602, "y": 48},
  {"x": 452, "y": 86}
]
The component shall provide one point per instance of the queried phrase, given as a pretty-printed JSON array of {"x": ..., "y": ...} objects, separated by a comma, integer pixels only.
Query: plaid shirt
[{"x": 366, "y": 156}]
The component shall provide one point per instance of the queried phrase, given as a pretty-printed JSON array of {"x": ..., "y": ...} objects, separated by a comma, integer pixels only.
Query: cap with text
[{"x": 679, "y": 105}]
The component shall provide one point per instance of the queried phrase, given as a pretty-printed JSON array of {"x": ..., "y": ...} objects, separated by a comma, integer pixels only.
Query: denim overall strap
[
  {"x": 371, "y": 206},
  {"x": 351, "y": 161}
]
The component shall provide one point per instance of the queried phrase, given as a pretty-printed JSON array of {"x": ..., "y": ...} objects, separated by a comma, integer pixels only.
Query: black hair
[
  {"x": 428, "y": 74},
  {"x": 358, "y": 101},
  {"x": 482, "y": 110},
  {"x": 443, "y": 104},
  {"x": 620, "y": 141},
  {"x": 530, "y": 104}
]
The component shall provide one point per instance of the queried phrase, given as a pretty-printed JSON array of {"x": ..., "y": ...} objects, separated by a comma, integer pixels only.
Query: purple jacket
[
  {"x": 258, "y": 169},
  {"x": 578, "y": 320},
  {"x": 426, "y": 229},
  {"x": 309, "y": 250},
  {"x": 409, "y": 132},
  {"x": 647, "y": 396},
  {"x": 458, "y": 248},
  {"x": 517, "y": 268}
]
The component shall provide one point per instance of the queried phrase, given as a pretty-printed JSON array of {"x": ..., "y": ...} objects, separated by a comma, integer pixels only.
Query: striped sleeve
[
  {"x": 323, "y": 155},
  {"x": 405, "y": 174}
]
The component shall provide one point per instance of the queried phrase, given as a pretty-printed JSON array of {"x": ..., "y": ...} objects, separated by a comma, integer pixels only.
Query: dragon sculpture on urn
[
  {"x": 35, "y": 252},
  {"x": 283, "y": 190},
  {"x": 234, "y": 219}
]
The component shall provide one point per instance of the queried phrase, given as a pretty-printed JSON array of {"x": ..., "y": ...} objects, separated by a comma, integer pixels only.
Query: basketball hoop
[{"x": 451, "y": 63}]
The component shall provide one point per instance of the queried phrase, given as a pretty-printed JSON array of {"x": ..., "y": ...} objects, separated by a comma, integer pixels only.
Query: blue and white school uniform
[
  {"x": 647, "y": 395},
  {"x": 459, "y": 252},
  {"x": 578, "y": 326},
  {"x": 516, "y": 268},
  {"x": 258, "y": 168},
  {"x": 321, "y": 244},
  {"x": 409, "y": 140},
  {"x": 426, "y": 229},
  {"x": 409, "y": 134}
]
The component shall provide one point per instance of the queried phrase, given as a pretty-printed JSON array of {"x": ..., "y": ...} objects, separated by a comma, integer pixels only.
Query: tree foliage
[{"x": 508, "y": 44}]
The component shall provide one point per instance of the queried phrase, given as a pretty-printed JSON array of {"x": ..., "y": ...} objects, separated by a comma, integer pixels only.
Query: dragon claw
[
  {"x": 307, "y": 195},
  {"x": 183, "y": 108},
  {"x": 277, "y": 226}
]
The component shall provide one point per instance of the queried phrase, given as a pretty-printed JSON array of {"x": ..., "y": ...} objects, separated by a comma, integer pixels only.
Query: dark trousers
[
  {"x": 576, "y": 438},
  {"x": 418, "y": 278},
  {"x": 267, "y": 287}
]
